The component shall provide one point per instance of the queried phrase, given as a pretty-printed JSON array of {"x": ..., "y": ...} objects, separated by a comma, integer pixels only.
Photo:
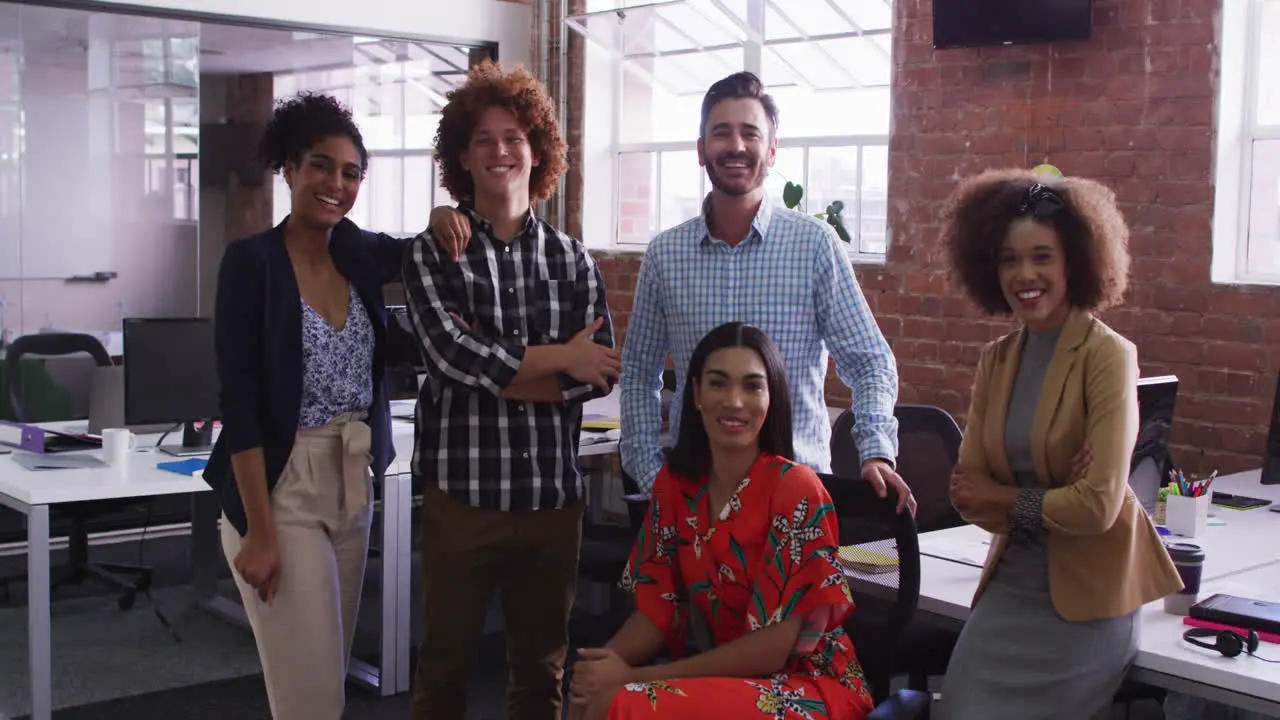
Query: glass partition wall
[
  {"x": 98, "y": 130},
  {"x": 101, "y": 122}
]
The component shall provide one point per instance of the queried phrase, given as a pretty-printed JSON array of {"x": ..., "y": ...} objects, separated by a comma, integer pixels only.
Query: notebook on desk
[
  {"x": 45, "y": 461},
  {"x": 191, "y": 467},
  {"x": 600, "y": 423},
  {"x": 1246, "y": 613},
  {"x": 861, "y": 559}
]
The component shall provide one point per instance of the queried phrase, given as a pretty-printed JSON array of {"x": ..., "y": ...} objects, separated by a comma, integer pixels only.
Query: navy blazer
[{"x": 258, "y": 339}]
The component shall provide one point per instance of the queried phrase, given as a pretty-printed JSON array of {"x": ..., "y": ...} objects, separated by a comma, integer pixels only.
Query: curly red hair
[{"x": 525, "y": 97}]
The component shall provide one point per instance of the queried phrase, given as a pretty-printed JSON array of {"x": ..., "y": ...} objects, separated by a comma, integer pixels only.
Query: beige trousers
[{"x": 322, "y": 513}]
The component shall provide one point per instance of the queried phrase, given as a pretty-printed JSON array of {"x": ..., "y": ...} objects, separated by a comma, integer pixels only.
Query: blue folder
[{"x": 187, "y": 467}]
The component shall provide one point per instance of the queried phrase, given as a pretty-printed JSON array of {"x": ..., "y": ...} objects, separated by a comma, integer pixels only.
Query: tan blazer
[{"x": 1105, "y": 558}]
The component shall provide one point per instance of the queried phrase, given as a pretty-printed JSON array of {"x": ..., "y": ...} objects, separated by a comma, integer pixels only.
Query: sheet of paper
[
  {"x": 61, "y": 461},
  {"x": 965, "y": 550}
]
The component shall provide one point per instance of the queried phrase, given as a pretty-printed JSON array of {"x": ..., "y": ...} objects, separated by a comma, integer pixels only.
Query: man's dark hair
[{"x": 737, "y": 86}]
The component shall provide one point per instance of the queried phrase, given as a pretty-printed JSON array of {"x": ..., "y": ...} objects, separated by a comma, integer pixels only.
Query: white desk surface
[
  {"x": 141, "y": 478},
  {"x": 1162, "y": 649},
  {"x": 1241, "y": 558},
  {"x": 1235, "y": 546},
  {"x": 138, "y": 478}
]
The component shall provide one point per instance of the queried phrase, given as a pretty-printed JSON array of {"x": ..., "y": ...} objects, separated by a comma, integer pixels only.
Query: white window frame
[
  {"x": 853, "y": 208},
  {"x": 186, "y": 196},
  {"x": 1237, "y": 131},
  {"x": 602, "y": 200}
]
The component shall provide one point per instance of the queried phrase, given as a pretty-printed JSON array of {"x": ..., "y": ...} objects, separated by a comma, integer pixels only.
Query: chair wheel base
[{"x": 902, "y": 705}]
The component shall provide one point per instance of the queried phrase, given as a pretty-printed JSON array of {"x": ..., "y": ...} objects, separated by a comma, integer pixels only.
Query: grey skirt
[{"x": 1017, "y": 659}]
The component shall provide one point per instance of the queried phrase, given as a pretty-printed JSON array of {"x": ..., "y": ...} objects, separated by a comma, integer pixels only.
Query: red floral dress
[{"x": 770, "y": 556}]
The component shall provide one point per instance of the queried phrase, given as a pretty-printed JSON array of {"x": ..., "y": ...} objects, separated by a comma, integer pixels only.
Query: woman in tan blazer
[{"x": 1045, "y": 460}]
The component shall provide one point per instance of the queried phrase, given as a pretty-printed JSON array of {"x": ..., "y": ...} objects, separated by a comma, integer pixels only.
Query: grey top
[{"x": 1036, "y": 355}]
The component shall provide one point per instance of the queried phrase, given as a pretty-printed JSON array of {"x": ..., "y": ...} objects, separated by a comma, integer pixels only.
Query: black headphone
[{"x": 1227, "y": 642}]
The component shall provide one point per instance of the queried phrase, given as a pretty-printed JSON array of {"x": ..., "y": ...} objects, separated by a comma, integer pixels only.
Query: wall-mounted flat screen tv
[{"x": 978, "y": 23}]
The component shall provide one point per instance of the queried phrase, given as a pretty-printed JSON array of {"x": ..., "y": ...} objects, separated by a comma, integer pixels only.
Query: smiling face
[
  {"x": 498, "y": 156},
  {"x": 1033, "y": 274},
  {"x": 733, "y": 394},
  {"x": 324, "y": 184},
  {"x": 737, "y": 147}
]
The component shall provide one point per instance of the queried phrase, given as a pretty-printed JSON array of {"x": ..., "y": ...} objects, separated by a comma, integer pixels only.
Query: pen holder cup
[{"x": 1187, "y": 516}]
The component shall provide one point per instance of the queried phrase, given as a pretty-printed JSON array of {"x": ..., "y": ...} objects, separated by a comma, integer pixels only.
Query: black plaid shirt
[{"x": 541, "y": 288}]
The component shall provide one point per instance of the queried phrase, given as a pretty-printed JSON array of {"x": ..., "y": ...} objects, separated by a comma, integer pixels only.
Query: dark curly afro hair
[
  {"x": 519, "y": 92},
  {"x": 303, "y": 121},
  {"x": 1092, "y": 230}
]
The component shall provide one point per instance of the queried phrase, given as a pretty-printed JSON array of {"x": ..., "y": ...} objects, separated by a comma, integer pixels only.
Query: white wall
[{"x": 510, "y": 24}]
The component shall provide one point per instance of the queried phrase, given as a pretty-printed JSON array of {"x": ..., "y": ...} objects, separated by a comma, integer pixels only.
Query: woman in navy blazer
[{"x": 301, "y": 344}]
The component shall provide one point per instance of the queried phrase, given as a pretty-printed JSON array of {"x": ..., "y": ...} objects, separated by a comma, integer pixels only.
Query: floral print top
[
  {"x": 337, "y": 365},
  {"x": 769, "y": 556}
]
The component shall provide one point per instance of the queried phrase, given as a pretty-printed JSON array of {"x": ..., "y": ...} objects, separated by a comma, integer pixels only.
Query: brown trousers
[{"x": 469, "y": 553}]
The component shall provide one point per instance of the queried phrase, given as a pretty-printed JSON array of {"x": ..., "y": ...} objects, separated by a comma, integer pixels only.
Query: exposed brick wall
[{"x": 1134, "y": 108}]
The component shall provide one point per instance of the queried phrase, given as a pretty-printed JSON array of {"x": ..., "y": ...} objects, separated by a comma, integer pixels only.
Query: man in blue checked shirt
[{"x": 747, "y": 259}]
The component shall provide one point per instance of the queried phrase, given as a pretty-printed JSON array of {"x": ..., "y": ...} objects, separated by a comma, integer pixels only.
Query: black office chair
[
  {"x": 885, "y": 602},
  {"x": 129, "y": 578},
  {"x": 928, "y": 449},
  {"x": 606, "y": 549}
]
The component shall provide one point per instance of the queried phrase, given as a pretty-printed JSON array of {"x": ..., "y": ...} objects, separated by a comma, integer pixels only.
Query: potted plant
[{"x": 792, "y": 193}]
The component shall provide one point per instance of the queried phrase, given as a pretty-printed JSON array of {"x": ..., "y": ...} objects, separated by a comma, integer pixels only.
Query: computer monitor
[
  {"x": 404, "y": 354},
  {"x": 1150, "y": 464},
  {"x": 1271, "y": 455},
  {"x": 171, "y": 376}
]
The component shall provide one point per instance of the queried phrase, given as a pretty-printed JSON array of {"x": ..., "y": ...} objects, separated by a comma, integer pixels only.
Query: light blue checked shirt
[{"x": 791, "y": 278}]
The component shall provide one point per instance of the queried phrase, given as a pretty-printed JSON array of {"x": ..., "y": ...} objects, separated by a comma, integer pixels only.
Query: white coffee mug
[{"x": 117, "y": 445}]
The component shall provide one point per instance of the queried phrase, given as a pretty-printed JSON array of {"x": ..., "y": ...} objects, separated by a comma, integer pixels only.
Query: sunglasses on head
[{"x": 1041, "y": 202}]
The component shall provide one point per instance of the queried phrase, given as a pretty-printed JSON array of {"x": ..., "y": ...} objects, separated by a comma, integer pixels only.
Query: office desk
[
  {"x": 1166, "y": 660},
  {"x": 1239, "y": 551},
  {"x": 31, "y": 493}
]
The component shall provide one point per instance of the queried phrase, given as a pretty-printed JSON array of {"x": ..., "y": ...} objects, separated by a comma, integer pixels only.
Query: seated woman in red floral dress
[{"x": 748, "y": 537}]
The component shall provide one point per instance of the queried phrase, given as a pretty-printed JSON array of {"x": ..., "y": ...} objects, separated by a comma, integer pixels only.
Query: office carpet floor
[
  {"x": 110, "y": 664},
  {"x": 113, "y": 665}
]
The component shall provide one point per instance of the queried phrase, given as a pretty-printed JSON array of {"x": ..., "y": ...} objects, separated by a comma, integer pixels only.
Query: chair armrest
[
  {"x": 902, "y": 705},
  {"x": 637, "y": 508}
]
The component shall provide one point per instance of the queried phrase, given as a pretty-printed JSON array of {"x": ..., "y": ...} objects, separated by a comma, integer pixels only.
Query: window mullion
[
  {"x": 753, "y": 48},
  {"x": 806, "y": 181},
  {"x": 1253, "y": 67},
  {"x": 857, "y": 204}
]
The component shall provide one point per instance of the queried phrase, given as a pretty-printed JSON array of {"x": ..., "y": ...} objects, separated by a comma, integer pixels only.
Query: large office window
[
  {"x": 1246, "y": 206},
  {"x": 826, "y": 62},
  {"x": 396, "y": 90},
  {"x": 1261, "y": 215}
]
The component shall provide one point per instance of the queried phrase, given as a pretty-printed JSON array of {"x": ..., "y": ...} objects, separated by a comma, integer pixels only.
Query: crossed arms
[{"x": 463, "y": 355}]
